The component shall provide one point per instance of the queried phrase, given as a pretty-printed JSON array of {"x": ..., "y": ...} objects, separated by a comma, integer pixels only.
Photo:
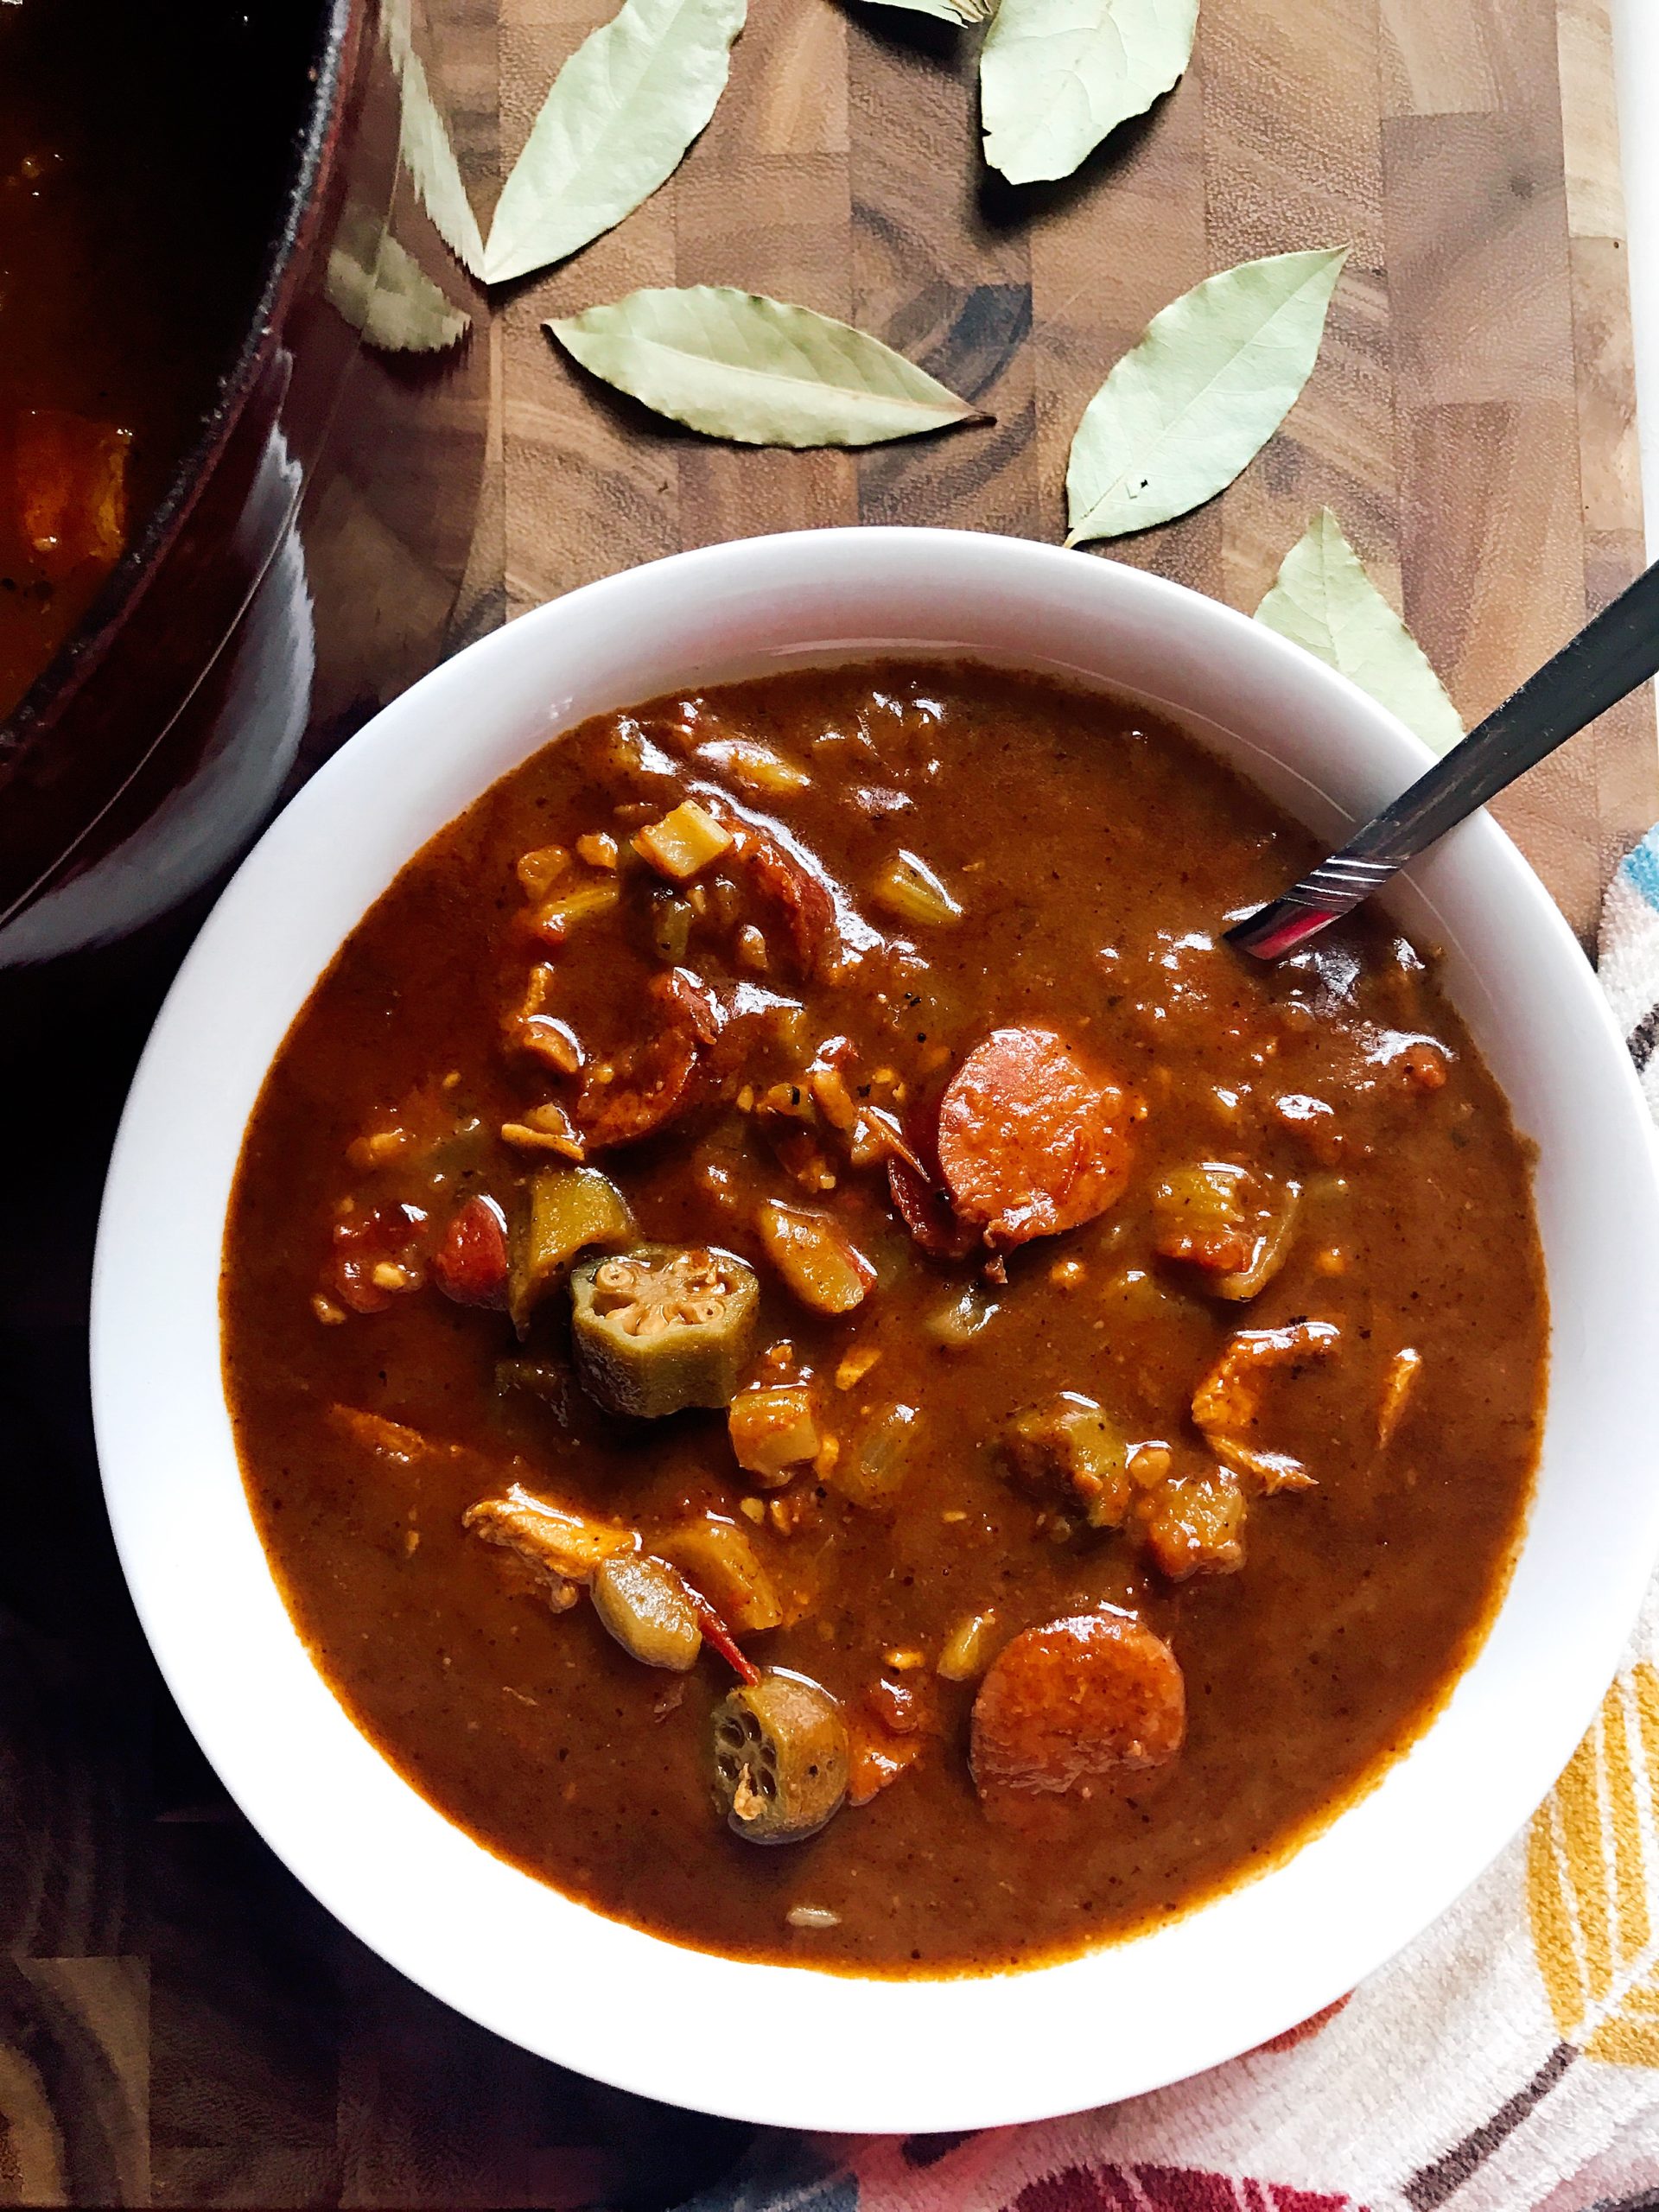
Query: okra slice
[
  {"x": 663, "y": 1327},
  {"x": 780, "y": 1759}
]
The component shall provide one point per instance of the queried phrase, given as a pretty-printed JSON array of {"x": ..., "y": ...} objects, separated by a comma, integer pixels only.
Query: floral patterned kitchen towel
[{"x": 1508, "y": 2062}]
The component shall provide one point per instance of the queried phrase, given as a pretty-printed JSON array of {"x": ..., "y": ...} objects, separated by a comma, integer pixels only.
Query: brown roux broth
[
  {"x": 1069, "y": 825},
  {"x": 143, "y": 153}
]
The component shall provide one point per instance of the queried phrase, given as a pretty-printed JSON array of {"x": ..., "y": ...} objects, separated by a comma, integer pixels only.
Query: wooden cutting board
[
  {"x": 1471, "y": 419},
  {"x": 179, "y": 2021}
]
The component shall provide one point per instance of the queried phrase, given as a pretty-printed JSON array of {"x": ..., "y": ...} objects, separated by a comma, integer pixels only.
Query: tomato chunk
[
  {"x": 1033, "y": 1140},
  {"x": 1096, "y": 1695}
]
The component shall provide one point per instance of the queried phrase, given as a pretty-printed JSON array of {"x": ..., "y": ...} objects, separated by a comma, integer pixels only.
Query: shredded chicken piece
[
  {"x": 1403, "y": 1370},
  {"x": 1229, "y": 1399},
  {"x": 393, "y": 1440},
  {"x": 545, "y": 1129},
  {"x": 564, "y": 1550},
  {"x": 1273, "y": 1470},
  {"x": 835, "y": 1100},
  {"x": 856, "y": 1365}
]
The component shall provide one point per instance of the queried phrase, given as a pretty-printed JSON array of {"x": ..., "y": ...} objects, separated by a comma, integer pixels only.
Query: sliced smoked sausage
[
  {"x": 1033, "y": 1140},
  {"x": 471, "y": 1265},
  {"x": 1093, "y": 1696},
  {"x": 657, "y": 1078},
  {"x": 922, "y": 1208}
]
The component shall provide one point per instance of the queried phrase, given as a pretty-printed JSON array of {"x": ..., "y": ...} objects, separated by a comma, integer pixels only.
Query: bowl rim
[{"x": 1320, "y": 1946}]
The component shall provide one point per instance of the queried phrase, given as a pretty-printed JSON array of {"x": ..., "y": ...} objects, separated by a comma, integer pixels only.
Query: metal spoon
[{"x": 1608, "y": 659}]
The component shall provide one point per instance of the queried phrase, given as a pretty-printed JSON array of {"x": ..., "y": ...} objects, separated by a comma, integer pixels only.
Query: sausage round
[
  {"x": 1032, "y": 1138},
  {"x": 471, "y": 1265},
  {"x": 1093, "y": 1695},
  {"x": 658, "y": 1077},
  {"x": 794, "y": 898},
  {"x": 925, "y": 1213}
]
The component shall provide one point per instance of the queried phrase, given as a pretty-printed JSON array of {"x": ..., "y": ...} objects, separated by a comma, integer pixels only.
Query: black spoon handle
[{"x": 1592, "y": 672}]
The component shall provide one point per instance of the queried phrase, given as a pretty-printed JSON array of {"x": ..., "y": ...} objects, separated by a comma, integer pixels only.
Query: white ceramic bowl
[{"x": 814, "y": 2049}]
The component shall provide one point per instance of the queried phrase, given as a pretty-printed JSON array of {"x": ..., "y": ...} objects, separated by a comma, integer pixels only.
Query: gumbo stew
[{"x": 824, "y": 1367}]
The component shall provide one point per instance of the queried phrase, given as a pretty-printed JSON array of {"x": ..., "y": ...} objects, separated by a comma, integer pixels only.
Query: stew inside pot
[{"x": 143, "y": 156}]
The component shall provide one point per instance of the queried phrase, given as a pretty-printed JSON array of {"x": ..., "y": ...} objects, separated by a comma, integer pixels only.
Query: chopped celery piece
[
  {"x": 684, "y": 842},
  {"x": 597, "y": 896},
  {"x": 1199, "y": 1215},
  {"x": 773, "y": 1431},
  {"x": 967, "y": 1650},
  {"x": 873, "y": 1472},
  {"x": 820, "y": 1266},
  {"x": 1068, "y": 1440},
  {"x": 908, "y": 889},
  {"x": 719, "y": 1560},
  {"x": 1271, "y": 1250},
  {"x": 1217, "y": 1217},
  {"x": 758, "y": 768},
  {"x": 965, "y": 1318},
  {"x": 571, "y": 1208}
]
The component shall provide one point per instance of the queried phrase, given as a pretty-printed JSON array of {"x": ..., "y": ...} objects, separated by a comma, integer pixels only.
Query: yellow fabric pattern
[{"x": 1592, "y": 1859}]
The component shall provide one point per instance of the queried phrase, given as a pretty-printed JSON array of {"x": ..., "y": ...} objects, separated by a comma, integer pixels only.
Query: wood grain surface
[
  {"x": 180, "y": 2023},
  {"x": 1471, "y": 419}
]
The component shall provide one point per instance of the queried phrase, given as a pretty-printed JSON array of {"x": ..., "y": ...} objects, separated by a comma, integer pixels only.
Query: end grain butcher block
[{"x": 1471, "y": 420}]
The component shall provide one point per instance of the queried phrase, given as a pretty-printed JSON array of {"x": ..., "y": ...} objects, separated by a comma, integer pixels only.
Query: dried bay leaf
[
  {"x": 1323, "y": 600},
  {"x": 616, "y": 125},
  {"x": 382, "y": 291},
  {"x": 1197, "y": 397},
  {"x": 735, "y": 365},
  {"x": 424, "y": 148},
  {"x": 1056, "y": 76},
  {"x": 945, "y": 11}
]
